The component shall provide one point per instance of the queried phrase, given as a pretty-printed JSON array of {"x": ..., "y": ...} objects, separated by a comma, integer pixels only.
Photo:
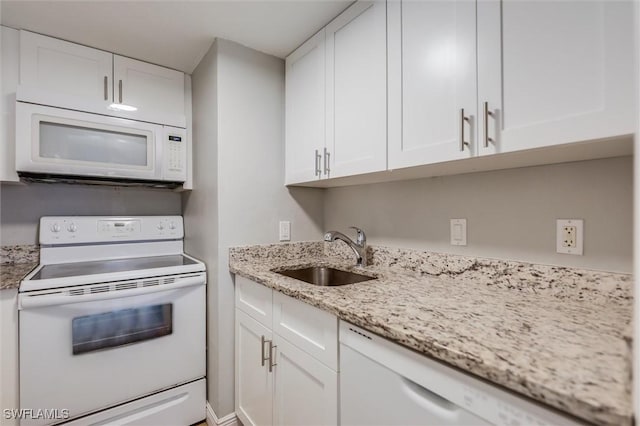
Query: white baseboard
[{"x": 213, "y": 420}]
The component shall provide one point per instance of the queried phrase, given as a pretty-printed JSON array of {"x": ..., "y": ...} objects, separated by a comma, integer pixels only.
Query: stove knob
[
  {"x": 55, "y": 228},
  {"x": 172, "y": 225},
  {"x": 72, "y": 227},
  {"x": 160, "y": 226}
]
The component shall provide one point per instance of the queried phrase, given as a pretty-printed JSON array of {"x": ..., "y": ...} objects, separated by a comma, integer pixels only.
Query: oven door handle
[{"x": 26, "y": 301}]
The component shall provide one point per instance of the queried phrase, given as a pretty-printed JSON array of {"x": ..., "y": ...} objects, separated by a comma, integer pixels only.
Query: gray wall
[
  {"x": 239, "y": 194},
  {"x": 200, "y": 207},
  {"x": 510, "y": 213},
  {"x": 21, "y": 206}
]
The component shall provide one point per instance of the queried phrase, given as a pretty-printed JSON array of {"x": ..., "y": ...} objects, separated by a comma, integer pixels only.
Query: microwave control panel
[{"x": 175, "y": 144}]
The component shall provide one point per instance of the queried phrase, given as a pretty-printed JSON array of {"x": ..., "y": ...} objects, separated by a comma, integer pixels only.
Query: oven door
[
  {"x": 71, "y": 143},
  {"x": 85, "y": 351}
]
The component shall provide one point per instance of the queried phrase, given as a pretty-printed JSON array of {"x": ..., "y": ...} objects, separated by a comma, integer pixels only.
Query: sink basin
[{"x": 325, "y": 276}]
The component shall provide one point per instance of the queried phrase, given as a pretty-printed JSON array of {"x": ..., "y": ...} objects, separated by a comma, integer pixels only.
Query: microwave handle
[{"x": 26, "y": 301}]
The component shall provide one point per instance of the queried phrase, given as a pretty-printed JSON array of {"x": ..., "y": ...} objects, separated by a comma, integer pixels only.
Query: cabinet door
[
  {"x": 10, "y": 75},
  {"x": 305, "y": 111},
  {"x": 306, "y": 391},
  {"x": 254, "y": 382},
  {"x": 432, "y": 81},
  {"x": 156, "y": 92},
  {"x": 554, "y": 72},
  {"x": 357, "y": 90},
  {"x": 66, "y": 73},
  {"x": 309, "y": 328}
]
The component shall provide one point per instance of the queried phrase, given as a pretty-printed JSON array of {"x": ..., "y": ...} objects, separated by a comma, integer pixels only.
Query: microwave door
[{"x": 63, "y": 142}]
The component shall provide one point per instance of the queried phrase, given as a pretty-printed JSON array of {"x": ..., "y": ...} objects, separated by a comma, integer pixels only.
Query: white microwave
[{"x": 57, "y": 142}]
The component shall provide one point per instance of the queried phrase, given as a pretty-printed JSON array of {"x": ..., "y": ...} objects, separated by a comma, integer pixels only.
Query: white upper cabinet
[
  {"x": 154, "y": 90},
  {"x": 356, "y": 63},
  {"x": 62, "y": 74},
  {"x": 432, "y": 81},
  {"x": 305, "y": 110},
  {"x": 554, "y": 72},
  {"x": 59, "y": 67},
  {"x": 423, "y": 83},
  {"x": 9, "y": 74}
]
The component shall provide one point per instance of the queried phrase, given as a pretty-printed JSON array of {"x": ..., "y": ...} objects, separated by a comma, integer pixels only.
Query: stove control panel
[{"x": 57, "y": 230}]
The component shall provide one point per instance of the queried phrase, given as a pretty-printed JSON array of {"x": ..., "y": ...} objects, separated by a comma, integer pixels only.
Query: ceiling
[{"x": 174, "y": 34}]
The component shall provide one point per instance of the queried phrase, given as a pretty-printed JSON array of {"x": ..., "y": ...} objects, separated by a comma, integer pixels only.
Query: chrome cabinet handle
[
  {"x": 318, "y": 158},
  {"x": 271, "y": 357},
  {"x": 463, "y": 120},
  {"x": 262, "y": 357},
  {"x": 487, "y": 113},
  {"x": 327, "y": 158},
  {"x": 120, "y": 90},
  {"x": 106, "y": 94}
]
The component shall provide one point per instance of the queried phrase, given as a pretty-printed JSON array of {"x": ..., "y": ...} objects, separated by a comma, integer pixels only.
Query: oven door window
[{"x": 123, "y": 327}]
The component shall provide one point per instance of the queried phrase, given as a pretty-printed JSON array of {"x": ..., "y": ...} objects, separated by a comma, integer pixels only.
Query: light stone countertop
[
  {"x": 553, "y": 334},
  {"x": 16, "y": 262}
]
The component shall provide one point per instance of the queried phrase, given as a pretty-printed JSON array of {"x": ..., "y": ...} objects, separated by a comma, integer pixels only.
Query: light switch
[
  {"x": 458, "y": 232},
  {"x": 285, "y": 230}
]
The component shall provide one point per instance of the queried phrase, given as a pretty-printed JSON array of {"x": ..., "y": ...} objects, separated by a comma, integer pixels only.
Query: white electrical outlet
[
  {"x": 570, "y": 236},
  {"x": 458, "y": 232},
  {"x": 285, "y": 230}
]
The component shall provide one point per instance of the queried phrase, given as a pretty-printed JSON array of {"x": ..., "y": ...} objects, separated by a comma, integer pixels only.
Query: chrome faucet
[{"x": 359, "y": 246}]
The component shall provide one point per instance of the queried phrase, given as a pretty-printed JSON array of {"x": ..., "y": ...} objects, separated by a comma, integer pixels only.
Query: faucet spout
[{"x": 359, "y": 246}]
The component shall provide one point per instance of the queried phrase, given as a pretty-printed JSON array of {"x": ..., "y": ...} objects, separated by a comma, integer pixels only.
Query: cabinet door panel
[
  {"x": 157, "y": 92},
  {"x": 305, "y": 109},
  {"x": 65, "y": 69},
  {"x": 432, "y": 78},
  {"x": 554, "y": 72},
  {"x": 309, "y": 328},
  {"x": 254, "y": 382},
  {"x": 306, "y": 391},
  {"x": 10, "y": 75},
  {"x": 356, "y": 90},
  {"x": 255, "y": 300}
]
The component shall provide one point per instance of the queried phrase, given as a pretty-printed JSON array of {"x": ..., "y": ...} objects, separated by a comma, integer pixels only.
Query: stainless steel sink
[{"x": 325, "y": 276}]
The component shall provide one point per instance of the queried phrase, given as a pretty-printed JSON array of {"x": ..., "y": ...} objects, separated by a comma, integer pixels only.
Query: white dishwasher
[{"x": 383, "y": 383}]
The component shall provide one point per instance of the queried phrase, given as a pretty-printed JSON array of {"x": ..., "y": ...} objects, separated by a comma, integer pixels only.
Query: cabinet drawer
[
  {"x": 255, "y": 300},
  {"x": 309, "y": 328}
]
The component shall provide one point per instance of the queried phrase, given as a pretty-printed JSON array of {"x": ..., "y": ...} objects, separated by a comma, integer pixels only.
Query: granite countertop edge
[
  {"x": 261, "y": 270},
  {"x": 11, "y": 274}
]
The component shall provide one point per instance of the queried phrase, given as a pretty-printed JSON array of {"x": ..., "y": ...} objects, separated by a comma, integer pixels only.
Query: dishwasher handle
[
  {"x": 27, "y": 301},
  {"x": 430, "y": 400}
]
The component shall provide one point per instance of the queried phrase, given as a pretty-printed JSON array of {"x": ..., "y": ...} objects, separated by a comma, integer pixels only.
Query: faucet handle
[{"x": 361, "y": 238}]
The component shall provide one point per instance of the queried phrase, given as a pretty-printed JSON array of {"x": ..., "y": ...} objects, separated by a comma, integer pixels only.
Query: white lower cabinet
[
  {"x": 305, "y": 390},
  {"x": 281, "y": 381},
  {"x": 254, "y": 382}
]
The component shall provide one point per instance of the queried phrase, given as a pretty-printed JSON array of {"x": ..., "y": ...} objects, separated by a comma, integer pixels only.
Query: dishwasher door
[
  {"x": 390, "y": 399},
  {"x": 383, "y": 383}
]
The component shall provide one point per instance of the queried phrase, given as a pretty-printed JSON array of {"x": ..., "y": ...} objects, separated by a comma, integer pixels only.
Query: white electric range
[{"x": 112, "y": 325}]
